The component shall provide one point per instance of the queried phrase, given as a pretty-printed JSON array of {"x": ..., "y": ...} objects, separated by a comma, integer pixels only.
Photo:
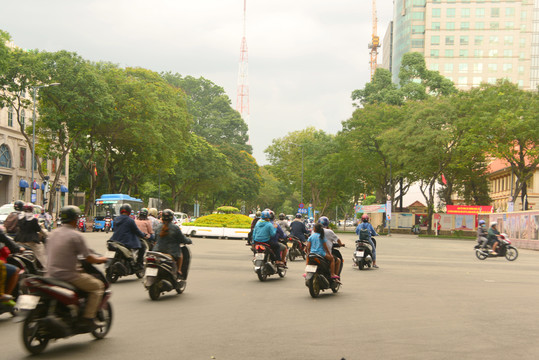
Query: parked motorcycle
[
  {"x": 122, "y": 262},
  {"x": 363, "y": 254},
  {"x": 504, "y": 249},
  {"x": 318, "y": 275},
  {"x": 161, "y": 273},
  {"x": 296, "y": 248},
  {"x": 81, "y": 224},
  {"x": 264, "y": 265},
  {"x": 53, "y": 310}
]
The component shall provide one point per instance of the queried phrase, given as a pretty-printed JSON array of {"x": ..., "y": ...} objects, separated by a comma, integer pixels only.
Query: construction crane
[{"x": 375, "y": 43}]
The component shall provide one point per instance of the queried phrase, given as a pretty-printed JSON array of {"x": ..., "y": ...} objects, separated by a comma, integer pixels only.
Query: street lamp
[{"x": 35, "y": 88}]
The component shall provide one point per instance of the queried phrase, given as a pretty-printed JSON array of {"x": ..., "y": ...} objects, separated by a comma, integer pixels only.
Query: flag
[{"x": 444, "y": 181}]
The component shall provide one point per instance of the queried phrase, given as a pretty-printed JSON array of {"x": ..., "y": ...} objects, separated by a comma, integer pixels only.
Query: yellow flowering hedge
[{"x": 237, "y": 221}]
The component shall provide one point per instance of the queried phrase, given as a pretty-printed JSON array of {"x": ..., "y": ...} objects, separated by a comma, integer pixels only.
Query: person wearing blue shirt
[
  {"x": 366, "y": 225},
  {"x": 279, "y": 238},
  {"x": 127, "y": 233},
  {"x": 265, "y": 231},
  {"x": 317, "y": 244}
]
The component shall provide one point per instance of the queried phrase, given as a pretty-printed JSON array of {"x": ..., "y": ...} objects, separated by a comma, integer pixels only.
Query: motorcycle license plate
[
  {"x": 360, "y": 253},
  {"x": 310, "y": 268},
  {"x": 27, "y": 302},
  {"x": 110, "y": 254},
  {"x": 151, "y": 272},
  {"x": 259, "y": 256}
]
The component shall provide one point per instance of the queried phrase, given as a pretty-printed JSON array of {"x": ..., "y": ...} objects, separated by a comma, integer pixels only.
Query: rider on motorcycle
[
  {"x": 298, "y": 229},
  {"x": 127, "y": 233},
  {"x": 280, "y": 238},
  {"x": 283, "y": 223},
  {"x": 265, "y": 231},
  {"x": 493, "y": 235},
  {"x": 332, "y": 240},
  {"x": 63, "y": 247},
  {"x": 169, "y": 237},
  {"x": 318, "y": 244},
  {"x": 366, "y": 225},
  {"x": 12, "y": 220},
  {"x": 29, "y": 233},
  {"x": 144, "y": 224},
  {"x": 482, "y": 234},
  {"x": 152, "y": 216}
]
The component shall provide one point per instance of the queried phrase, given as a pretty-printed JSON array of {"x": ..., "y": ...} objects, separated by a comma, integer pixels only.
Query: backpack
[
  {"x": 12, "y": 223},
  {"x": 364, "y": 234}
]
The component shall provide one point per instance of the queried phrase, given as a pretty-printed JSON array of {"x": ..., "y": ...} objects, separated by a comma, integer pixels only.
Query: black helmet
[
  {"x": 125, "y": 209},
  {"x": 167, "y": 215},
  {"x": 143, "y": 213},
  {"x": 272, "y": 215},
  {"x": 69, "y": 213},
  {"x": 18, "y": 205},
  {"x": 298, "y": 216},
  {"x": 281, "y": 216},
  {"x": 324, "y": 221}
]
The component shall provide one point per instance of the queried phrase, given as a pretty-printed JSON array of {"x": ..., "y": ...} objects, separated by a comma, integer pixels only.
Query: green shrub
[
  {"x": 228, "y": 210},
  {"x": 237, "y": 221}
]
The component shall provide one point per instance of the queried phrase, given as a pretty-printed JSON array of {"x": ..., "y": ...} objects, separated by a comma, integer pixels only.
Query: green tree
[{"x": 379, "y": 90}]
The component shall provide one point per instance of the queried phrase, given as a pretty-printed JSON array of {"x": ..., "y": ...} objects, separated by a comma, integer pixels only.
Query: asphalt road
[{"x": 430, "y": 299}]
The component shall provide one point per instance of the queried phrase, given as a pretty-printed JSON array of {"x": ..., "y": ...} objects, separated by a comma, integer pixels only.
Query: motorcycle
[
  {"x": 107, "y": 226},
  {"x": 81, "y": 224},
  {"x": 318, "y": 275},
  {"x": 58, "y": 223},
  {"x": 122, "y": 262},
  {"x": 161, "y": 273},
  {"x": 53, "y": 310},
  {"x": 264, "y": 265},
  {"x": 504, "y": 249},
  {"x": 363, "y": 254},
  {"x": 296, "y": 248}
]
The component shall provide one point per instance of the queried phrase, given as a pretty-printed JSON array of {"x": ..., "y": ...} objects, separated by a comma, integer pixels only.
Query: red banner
[{"x": 468, "y": 209}]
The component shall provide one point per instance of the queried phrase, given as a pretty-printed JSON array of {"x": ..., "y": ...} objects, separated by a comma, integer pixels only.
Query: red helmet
[
  {"x": 365, "y": 218},
  {"x": 28, "y": 207}
]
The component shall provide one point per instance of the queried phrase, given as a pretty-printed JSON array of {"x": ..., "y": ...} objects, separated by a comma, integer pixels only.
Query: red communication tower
[{"x": 242, "y": 99}]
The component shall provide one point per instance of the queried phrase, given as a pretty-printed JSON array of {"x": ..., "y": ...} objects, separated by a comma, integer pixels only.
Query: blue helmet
[
  {"x": 324, "y": 221},
  {"x": 482, "y": 222},
  {"x": 265, "y": 215}
]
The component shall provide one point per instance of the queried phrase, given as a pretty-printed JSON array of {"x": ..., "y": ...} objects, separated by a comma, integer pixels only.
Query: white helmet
[{"x": 493, "y": 223}]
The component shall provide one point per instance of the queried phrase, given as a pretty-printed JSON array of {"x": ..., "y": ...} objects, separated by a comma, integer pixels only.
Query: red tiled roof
[{"x": 416, "y": 204}]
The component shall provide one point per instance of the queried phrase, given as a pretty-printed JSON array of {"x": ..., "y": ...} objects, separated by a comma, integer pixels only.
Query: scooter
[
  {"x": 504, "y": 249},
  {"x": 107, "y": 226},
  {"x": 161, "y": 273},
  {"x": 363, "y": 254},
  {"x": 122, "y": 262},
  {"x": 53, "y": 310},
  {"x": 264, "y": 265},
  {"x": 296, "y": 248},
  {"x": 318, "y": 275},
  {"x": 81, "y": 224}
]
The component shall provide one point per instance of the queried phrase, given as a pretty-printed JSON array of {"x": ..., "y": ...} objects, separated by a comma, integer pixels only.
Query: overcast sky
[{"x": 305, "y": 56}]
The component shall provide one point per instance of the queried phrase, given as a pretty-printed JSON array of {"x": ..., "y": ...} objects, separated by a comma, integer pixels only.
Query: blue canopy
[
  {"x": 63, "y": 189},
  {"x": 23, "y": 183},
  {"x": 35, "y": 185},
  {"x": 42, "y": 186}
]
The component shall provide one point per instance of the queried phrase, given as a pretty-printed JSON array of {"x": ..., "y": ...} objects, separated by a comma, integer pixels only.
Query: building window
[
  {"x": 521, "y": 55},
  {"x": 491, "y": 80},
  {"x": 450, "y": 25},
  {"x": 53, "y": 165},
  {"x": 450, "y": 40},
  {"x": 434, "y": 53},
  {"x": 418, "y": 43},
  {"x": 479, "y": 25},
  {"x": 23, "y": 158},
  {"x": 522, "y": 43},
  {"x": 509, "y": 25},
  {"x": 464, "y": 40},
  {"x": 477, "y": 80},
  {"x": 493, "y": 53},
  {"x": 522, "y": 27},
  {"x": 478, "y": 53},
  {"x": 419, "y": 3},
  {"x": 463, "y": 53},
  {"x": 436, "y": 26},
  {"x": 463, "y": 68},
  {"x": 478, "y": 40},
  {"x": 465, "y": 25},
  {"x": 434, "y": 67},
  {"x": 478, "y": 68},
  {"x": 435, "y": 40},
  {"x": 418, "y": 15},
  {"x": 449, "y": 53},
  {"x": 493, "y": 40},
  {"x": 479, "y": 12},
  {"x": 494, "y": 25},
  {"x": 509, "y": 11},
  {"x": 463, "y": 80},
  {"x": 508, "y": 40},
  {"x": 418, "y": 29},
  {"x": 436, "y": 13},
  {"x": 451, "y": 12},
  {"x": 508, "y": 53},
  {"x": 492, "y": 67},
  {"x": 521, "y": 69},
  {"x": 521, "y": 84},
  {"x": 10, "y": 117},
  {"x": 495, "y": 12},
  {"x": 507, "y": 67},
  {"x": 465, "y": 12},
  {"x": 5, "y": 156},
  {"x": 448, "y": 68},
  {"x": 523, "y": 15}
]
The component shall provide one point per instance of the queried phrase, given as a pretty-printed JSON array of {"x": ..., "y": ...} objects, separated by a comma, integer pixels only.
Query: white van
[{"x": 181, "y": 217}]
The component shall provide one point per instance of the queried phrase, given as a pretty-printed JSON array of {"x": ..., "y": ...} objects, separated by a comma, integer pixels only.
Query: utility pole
[{"x": 242, "y": 99}]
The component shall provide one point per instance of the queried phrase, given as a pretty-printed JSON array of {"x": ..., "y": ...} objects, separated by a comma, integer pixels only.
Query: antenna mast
[
  {"x": 242, "y": 99},
  {"x": 375, "y": 44}
]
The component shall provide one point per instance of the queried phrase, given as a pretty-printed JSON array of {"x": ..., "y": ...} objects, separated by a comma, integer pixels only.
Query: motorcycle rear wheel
[
  {"x": 314, "y": 286},
  {"x": 291, "y": 256},
  {"x": 335, "y": 286},
  {"x": 281, "y": 272},
  {"x": 262, "y": 276},
  {"x": 111, "y": 276},
  {"x": 155, "y": 291},
  {"x": 105, "y": 315},
  {"x": 182, "y": 287},
  {"x": 480, "y": 255},
  {"x": 511, "y": 254},
  {"x": 32, "y": 341},
  {"x": 361, "y": 264}
]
